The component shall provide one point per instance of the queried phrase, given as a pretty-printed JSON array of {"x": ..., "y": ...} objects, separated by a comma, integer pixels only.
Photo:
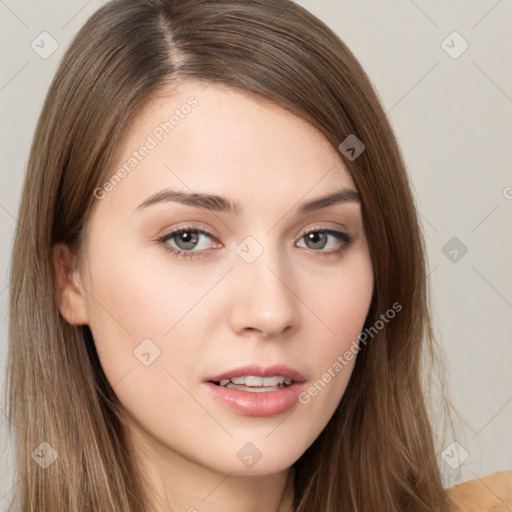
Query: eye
[
  {"x": 318, "y": 240},
  {"x": 186, "y": 242}
]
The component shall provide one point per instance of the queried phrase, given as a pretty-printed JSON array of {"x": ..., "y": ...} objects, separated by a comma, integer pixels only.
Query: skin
[{"x": 298, "y": 303}]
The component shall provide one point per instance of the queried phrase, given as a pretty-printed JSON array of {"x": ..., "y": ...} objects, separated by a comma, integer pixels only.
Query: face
[{"x": 216, "y": 321}]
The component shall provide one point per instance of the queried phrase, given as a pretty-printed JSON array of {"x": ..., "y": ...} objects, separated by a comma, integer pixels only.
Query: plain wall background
[{"x": 452, "y": 119}]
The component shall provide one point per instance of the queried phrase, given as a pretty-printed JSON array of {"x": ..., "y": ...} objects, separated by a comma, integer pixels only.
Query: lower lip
[{"x": 265, "y": 403}]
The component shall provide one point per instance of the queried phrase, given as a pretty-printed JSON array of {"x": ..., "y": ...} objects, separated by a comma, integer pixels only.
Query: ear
[{"x": 70, "y": 293}]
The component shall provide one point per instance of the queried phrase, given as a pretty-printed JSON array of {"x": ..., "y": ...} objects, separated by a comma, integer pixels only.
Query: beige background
[{"x": 452, "y": 118}]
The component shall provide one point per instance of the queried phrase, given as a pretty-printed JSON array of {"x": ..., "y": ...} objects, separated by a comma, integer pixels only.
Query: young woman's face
[{"x": 242, "y": 291}]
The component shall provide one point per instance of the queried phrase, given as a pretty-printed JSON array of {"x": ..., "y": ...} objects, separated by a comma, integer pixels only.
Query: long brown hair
[{"x": 377, "y": 452}]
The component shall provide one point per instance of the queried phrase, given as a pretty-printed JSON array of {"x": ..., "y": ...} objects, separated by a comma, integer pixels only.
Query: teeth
[
  {"x": 251, "y": 380},
  {"x": 256, "y": 382},
  {"x": 272, "y": 381}
]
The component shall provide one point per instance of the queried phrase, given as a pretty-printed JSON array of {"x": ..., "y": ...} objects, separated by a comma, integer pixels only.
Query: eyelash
[{"x": 343, "y": 237}]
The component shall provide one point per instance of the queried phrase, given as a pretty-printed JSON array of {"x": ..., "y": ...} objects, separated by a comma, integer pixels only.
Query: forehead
[{"x": 212, "y": 138}]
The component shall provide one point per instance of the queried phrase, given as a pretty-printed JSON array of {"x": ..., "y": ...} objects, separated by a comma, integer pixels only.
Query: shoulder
[{"x": 490, "y": 493}]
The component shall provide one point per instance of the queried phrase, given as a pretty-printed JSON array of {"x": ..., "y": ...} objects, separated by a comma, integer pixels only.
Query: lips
[{"x": 255, "y": 390}]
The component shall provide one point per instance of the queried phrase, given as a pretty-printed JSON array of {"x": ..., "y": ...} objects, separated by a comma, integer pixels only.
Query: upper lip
[{"x": 259, "y": 371}]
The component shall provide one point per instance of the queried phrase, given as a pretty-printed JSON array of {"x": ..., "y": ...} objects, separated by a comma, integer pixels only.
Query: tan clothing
[{"x": 490, "y": 493}]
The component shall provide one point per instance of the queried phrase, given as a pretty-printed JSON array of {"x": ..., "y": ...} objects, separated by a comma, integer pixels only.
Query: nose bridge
[{"x": 263, "y": 297}]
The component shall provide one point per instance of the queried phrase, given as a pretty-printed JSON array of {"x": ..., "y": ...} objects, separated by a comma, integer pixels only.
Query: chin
[{"x": 259, "y": 458}]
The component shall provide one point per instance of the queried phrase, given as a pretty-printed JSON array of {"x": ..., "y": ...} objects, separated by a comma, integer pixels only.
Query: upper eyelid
[
  {"x": 212, "y": 235},
  {"x": 200, "y": 227},
  {"x": 185, "y": 227}
]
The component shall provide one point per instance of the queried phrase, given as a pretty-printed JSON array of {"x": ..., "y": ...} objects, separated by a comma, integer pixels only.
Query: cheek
[
  {"x": 340, "y": 301},
  {"x": 147, "y": 322},
  {"x": 341, "y": 305},
  {"x": 139, "y": 287},
  {"x": 138, "y": 306}
]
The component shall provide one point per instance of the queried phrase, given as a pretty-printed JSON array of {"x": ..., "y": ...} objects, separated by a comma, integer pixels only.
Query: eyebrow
[{"x": 216, "y": 203}]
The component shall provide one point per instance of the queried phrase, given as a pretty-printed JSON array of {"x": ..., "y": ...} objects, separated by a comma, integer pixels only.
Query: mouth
[{"x": 255, "y": 390}]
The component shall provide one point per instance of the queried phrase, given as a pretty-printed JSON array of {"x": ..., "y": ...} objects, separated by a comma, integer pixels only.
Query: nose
[{"x": 264, "y": 302}]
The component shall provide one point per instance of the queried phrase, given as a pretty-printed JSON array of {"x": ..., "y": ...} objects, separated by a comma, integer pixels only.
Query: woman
[{"x": 218, "y": 295}]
